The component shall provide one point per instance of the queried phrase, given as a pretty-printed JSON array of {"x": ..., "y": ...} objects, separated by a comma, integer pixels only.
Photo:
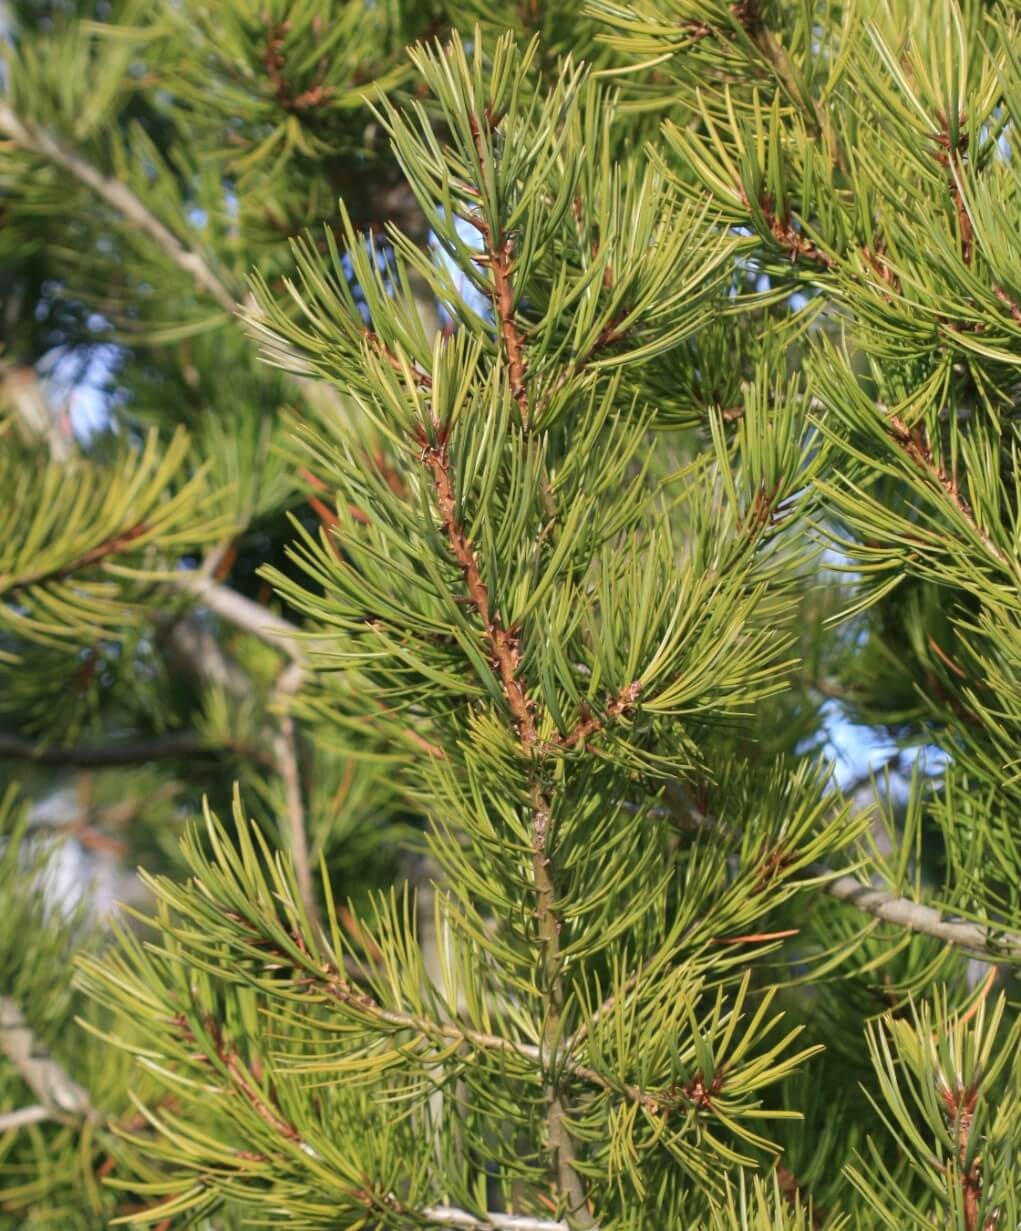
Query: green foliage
[
  {"x": 66, "y": 517},
  {"x": 524, "y": 631}
]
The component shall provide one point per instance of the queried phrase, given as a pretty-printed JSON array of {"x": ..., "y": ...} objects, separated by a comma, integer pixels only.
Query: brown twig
[
  {"x": 959, "y": 1105},
  {"x": 506, "y": 654},
  {"x": 377, "y": 345},
  {"x": 498, "y": 257},
  {"x": 915, "y": 444},
  {"x": 274, "y": 61},
  {"x": 950, "y": 155},
  {"x": 793, "y": 1190},
  {"x": 788, "y": 236},
  {"x": 328, "y": 518},
  {"x": 503, "y": 642},
  {"x": 876, "y": 257},
  {"x": 589, "y": 724},
  {"x": 1012, "y": 306}
]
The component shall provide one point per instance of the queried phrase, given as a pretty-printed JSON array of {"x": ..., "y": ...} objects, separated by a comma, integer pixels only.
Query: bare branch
[
  {"x": 192, "y": 641},
  {"x": 285, "y": 751},
  {"x": 37, "y": 140},
  {"x": 22, "y": 389},
  {"x": 249, "y": 616},
  {"x": 102, "y": 756},
  {"x": 448, "y": 1216},
  {"x": 918, "y": 917},
  {"x": 21, "y": 1117},
  {"x": 47, "y": 1080},
  {"x": 879, "y": 902}
]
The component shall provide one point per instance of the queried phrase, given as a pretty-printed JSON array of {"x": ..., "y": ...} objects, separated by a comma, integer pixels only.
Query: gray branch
[
  {"x": 285, "y": 753},
  {"x": 137, "y": 214},
  {"x": 916, "y": 916},
  {"x": 48, "y": 1081},
  {"x": 101, "y": 756},
  {"x": 882, "y": 903},
  {"x": 448, "y": 1216},
  {"x": 21, "y": 1117},
  {"x": 37, "y": 140},
  {"x": 249, "y": 616}
]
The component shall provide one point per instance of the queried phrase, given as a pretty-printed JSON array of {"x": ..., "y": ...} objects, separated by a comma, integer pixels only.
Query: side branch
[
  {"x": 376, "y": 344},
  {"x": 22, "y": 1117},
  {"x": 38, "y": 141},
  {"x": 590, "y": 724},
  {"x": 872, "y": 900},
  {"x": 110, "y": 547},
  {"x": 339, "y": 988},
  {"x": 461, "y": 1220}
]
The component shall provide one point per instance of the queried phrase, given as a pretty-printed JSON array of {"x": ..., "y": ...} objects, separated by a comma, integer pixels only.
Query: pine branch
[
  {"x": 55, "y": 1089},
  {"x": 816, "y": 117},
  {"x": 914, "y": 443},
  {"x": 332, "y": 984},
  {"x": 502, "y": 641},
  {"x": 507, "y": 657},
  {"x": 112, "y": 546},
  {"x": 136, "y": 213},
  {"x": 38, "y": 141},
  {"x": 375, "y": 342},
  {"x": 60, "y": 1096},
  {"x": 959, "y": 1108},
  {"x": 553, "y": 993},
  {"x": 267, "y": 1108},
  {"x": 950, "y": 155},
  {"x": 881, "y": 903}
]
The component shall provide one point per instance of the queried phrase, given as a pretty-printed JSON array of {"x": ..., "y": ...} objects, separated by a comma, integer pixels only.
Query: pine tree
[{"x": 525, "y": 428}]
